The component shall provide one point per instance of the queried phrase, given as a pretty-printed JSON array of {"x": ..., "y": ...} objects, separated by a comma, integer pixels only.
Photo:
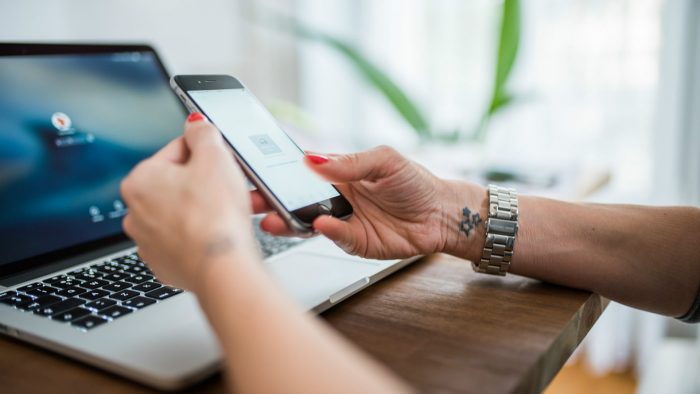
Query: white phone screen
[{"x": 269, "y": 152}]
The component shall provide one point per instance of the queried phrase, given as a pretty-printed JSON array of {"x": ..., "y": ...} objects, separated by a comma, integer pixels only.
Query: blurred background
[{"x": 594, "y": 100}]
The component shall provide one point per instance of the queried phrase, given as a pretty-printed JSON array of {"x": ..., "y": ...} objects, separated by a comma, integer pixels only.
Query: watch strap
[{"x": 501, "y": 229}]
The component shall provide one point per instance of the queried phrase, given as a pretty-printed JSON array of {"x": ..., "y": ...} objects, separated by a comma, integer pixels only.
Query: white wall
[
  {"x": 203, "y": 36},
  {"x": 677, "y": 169},
  {"x": 190, "y": 38}
]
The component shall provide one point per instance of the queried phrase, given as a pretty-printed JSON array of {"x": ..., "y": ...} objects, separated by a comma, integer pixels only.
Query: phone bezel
[{"x": 300, "y": 219}]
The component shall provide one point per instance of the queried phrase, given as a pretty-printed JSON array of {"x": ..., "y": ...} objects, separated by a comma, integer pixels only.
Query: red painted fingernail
[
  {"x": 195, "y": 117},
  {"x": 316, "y": 159}
]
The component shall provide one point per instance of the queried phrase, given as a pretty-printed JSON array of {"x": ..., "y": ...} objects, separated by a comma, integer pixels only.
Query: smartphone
[{"x": 270, "y": 159}]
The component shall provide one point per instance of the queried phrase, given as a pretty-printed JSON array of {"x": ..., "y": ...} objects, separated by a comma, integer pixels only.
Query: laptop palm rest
[{"x": 314, "y": 279}]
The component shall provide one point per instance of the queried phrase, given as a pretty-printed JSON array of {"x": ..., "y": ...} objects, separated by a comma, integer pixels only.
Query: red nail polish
[
  {"x": 316, "y": 159},
  {"x": 195, "y": 117}
]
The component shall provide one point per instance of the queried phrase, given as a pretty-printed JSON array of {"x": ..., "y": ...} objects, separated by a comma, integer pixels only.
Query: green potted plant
[{"x": 408, "y": 110}]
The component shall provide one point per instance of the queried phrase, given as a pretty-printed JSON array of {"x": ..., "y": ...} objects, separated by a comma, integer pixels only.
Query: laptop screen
[{"x": 71, "y": 127}]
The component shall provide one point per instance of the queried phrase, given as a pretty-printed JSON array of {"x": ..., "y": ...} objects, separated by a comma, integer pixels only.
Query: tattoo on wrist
[
  {"x": 218, "y": 246},
  {"x": 470, "y": 220},
  {"x": 211, "y": 249}
]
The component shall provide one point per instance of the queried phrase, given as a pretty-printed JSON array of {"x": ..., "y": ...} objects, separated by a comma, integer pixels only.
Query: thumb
[
  {"x": 369, "y": 165},
  {"x": 203, "y": 139},
  {"x": 338, "y": 231}
]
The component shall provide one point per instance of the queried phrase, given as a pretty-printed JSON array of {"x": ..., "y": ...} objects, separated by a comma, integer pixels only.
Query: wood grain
[{"x": 436, "y": 324}]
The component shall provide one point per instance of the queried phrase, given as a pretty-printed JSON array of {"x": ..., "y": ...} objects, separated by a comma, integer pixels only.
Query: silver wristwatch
[{"x": 501, "y": 229}]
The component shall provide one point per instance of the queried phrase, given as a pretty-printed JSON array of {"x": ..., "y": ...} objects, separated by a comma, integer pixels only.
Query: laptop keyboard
[
  {"x": 101, "y": 293},
  {"x": 91, "y": 296},
  {"x": 270, "y": 244}
]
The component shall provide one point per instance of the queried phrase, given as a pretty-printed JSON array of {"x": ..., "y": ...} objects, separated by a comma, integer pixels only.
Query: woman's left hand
[{"x": 189, "y": 204}]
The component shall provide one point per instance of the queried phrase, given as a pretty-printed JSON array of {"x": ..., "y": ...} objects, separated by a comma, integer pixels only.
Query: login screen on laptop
[{"x": 71, "y": 128}]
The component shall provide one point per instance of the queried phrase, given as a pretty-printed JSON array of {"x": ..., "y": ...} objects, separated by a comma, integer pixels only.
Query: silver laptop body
[{"x": 95, "y": 301}]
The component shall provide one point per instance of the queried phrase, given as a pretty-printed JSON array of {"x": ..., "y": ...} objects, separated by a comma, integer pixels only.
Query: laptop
[{"x": 74, "y": 119}]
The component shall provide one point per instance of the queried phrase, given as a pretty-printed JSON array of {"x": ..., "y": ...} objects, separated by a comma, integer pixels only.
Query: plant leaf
[
  {"x": 508, "y": 45},
  {"x": 374, "y": 76},
  {"x": 499, "y": 102}
]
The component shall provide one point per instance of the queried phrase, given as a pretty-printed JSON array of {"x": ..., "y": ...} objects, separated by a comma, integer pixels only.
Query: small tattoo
[
  {"x": 218, "y": 246},
  {"x": 470, "y": 220}
]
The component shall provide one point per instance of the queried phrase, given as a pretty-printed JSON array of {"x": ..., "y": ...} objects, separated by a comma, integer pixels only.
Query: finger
[
  {"x": 203, "y": 140},
  {"x": 175, "y": 152},
  {"x": 369, "y": 165},
  {"x": 140, "y": 180},
  {"x": 275, "y": 225},
  {"x": 338, "y": 231},
  {"x": 260, "y": 205},
  {"x": 128, "y": 225}
]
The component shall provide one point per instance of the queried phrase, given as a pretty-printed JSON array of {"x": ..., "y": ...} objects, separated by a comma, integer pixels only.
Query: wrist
[
  {"x": 464, "y": 235},
  {"x": 225, "y": 258}
]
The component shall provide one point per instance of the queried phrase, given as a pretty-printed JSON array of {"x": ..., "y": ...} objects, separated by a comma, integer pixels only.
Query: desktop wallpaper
[{"x": 71, "y": 127}]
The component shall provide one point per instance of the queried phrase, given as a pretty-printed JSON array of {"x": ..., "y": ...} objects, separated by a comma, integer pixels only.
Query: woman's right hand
[{"x": 400, "y": 208}]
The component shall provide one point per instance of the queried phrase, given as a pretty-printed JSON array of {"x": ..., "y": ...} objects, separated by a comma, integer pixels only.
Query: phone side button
[
  {"x": 349, "y": 290},
  {"x": 323, "y": 210}
]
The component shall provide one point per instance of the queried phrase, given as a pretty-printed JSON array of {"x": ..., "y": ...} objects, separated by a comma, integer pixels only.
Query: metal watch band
[{"x": 501, "y": 229}]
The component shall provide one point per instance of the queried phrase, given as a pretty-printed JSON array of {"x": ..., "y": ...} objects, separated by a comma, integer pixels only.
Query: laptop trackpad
[{"x": 312, "y": 278}]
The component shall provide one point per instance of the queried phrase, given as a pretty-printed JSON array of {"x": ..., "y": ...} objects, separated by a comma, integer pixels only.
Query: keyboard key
[
  {"x": 117, "y": 286},
  {"x": 124, "y": 295},
  {"x": 117, "y": 276},
  {"x": 71, "y": 292},
  {"x": 134, "y": 269},
  {"x": 73, "y": 314},
  {"x": 94, "y": 283},
  {"x": 7, "y": 294},
  {"x": 66, "y": 283},
  {"x": 55, "y": 279},
  {"x": 42, "y": 291},
  {"x": 43, "y": 302},
  {"x": 59, "y": 307},
  {"x": 163, "y": 293},
  {"x": 30, "y": 286},
  {"x": 115, "y": 311},
  {"x": 89, "y": 322},
  {"x": 146, "y": 287},
  {"x": 139, "y": 302},
  {"x": 18, "y": 300},
  {"x": 138, "y": 278},
  {"x": 89, "y": 275},
  {"x": 94, "y": 294},
  {"x": 101, "y": 304},
  {"x": 126, "y": 261},
  {"x": 107, "y": 269}
]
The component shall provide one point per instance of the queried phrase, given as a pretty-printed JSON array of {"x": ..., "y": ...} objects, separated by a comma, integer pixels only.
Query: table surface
[{"x": 436, "y": 324}]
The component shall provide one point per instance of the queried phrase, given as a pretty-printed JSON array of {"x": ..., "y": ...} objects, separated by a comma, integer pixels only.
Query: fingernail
[
  {"x": 316, "y": 159},
  {"x": 195, "y": 117}
]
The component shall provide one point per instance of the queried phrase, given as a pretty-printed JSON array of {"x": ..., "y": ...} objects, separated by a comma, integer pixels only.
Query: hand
[
  {"x": 188, "y": 204},
  {"x": 400, "y": 208}
]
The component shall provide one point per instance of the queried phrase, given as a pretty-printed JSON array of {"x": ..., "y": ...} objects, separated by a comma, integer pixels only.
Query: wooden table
[{"x": 437, "y": 324}]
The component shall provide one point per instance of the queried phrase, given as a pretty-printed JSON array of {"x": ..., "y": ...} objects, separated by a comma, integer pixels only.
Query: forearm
[
  {"x": 645, "y": 257},
  {"x": 272, "y": 345}
]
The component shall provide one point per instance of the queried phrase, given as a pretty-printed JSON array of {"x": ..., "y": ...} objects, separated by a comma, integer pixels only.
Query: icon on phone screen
[{"x": 266, "y": 145}]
